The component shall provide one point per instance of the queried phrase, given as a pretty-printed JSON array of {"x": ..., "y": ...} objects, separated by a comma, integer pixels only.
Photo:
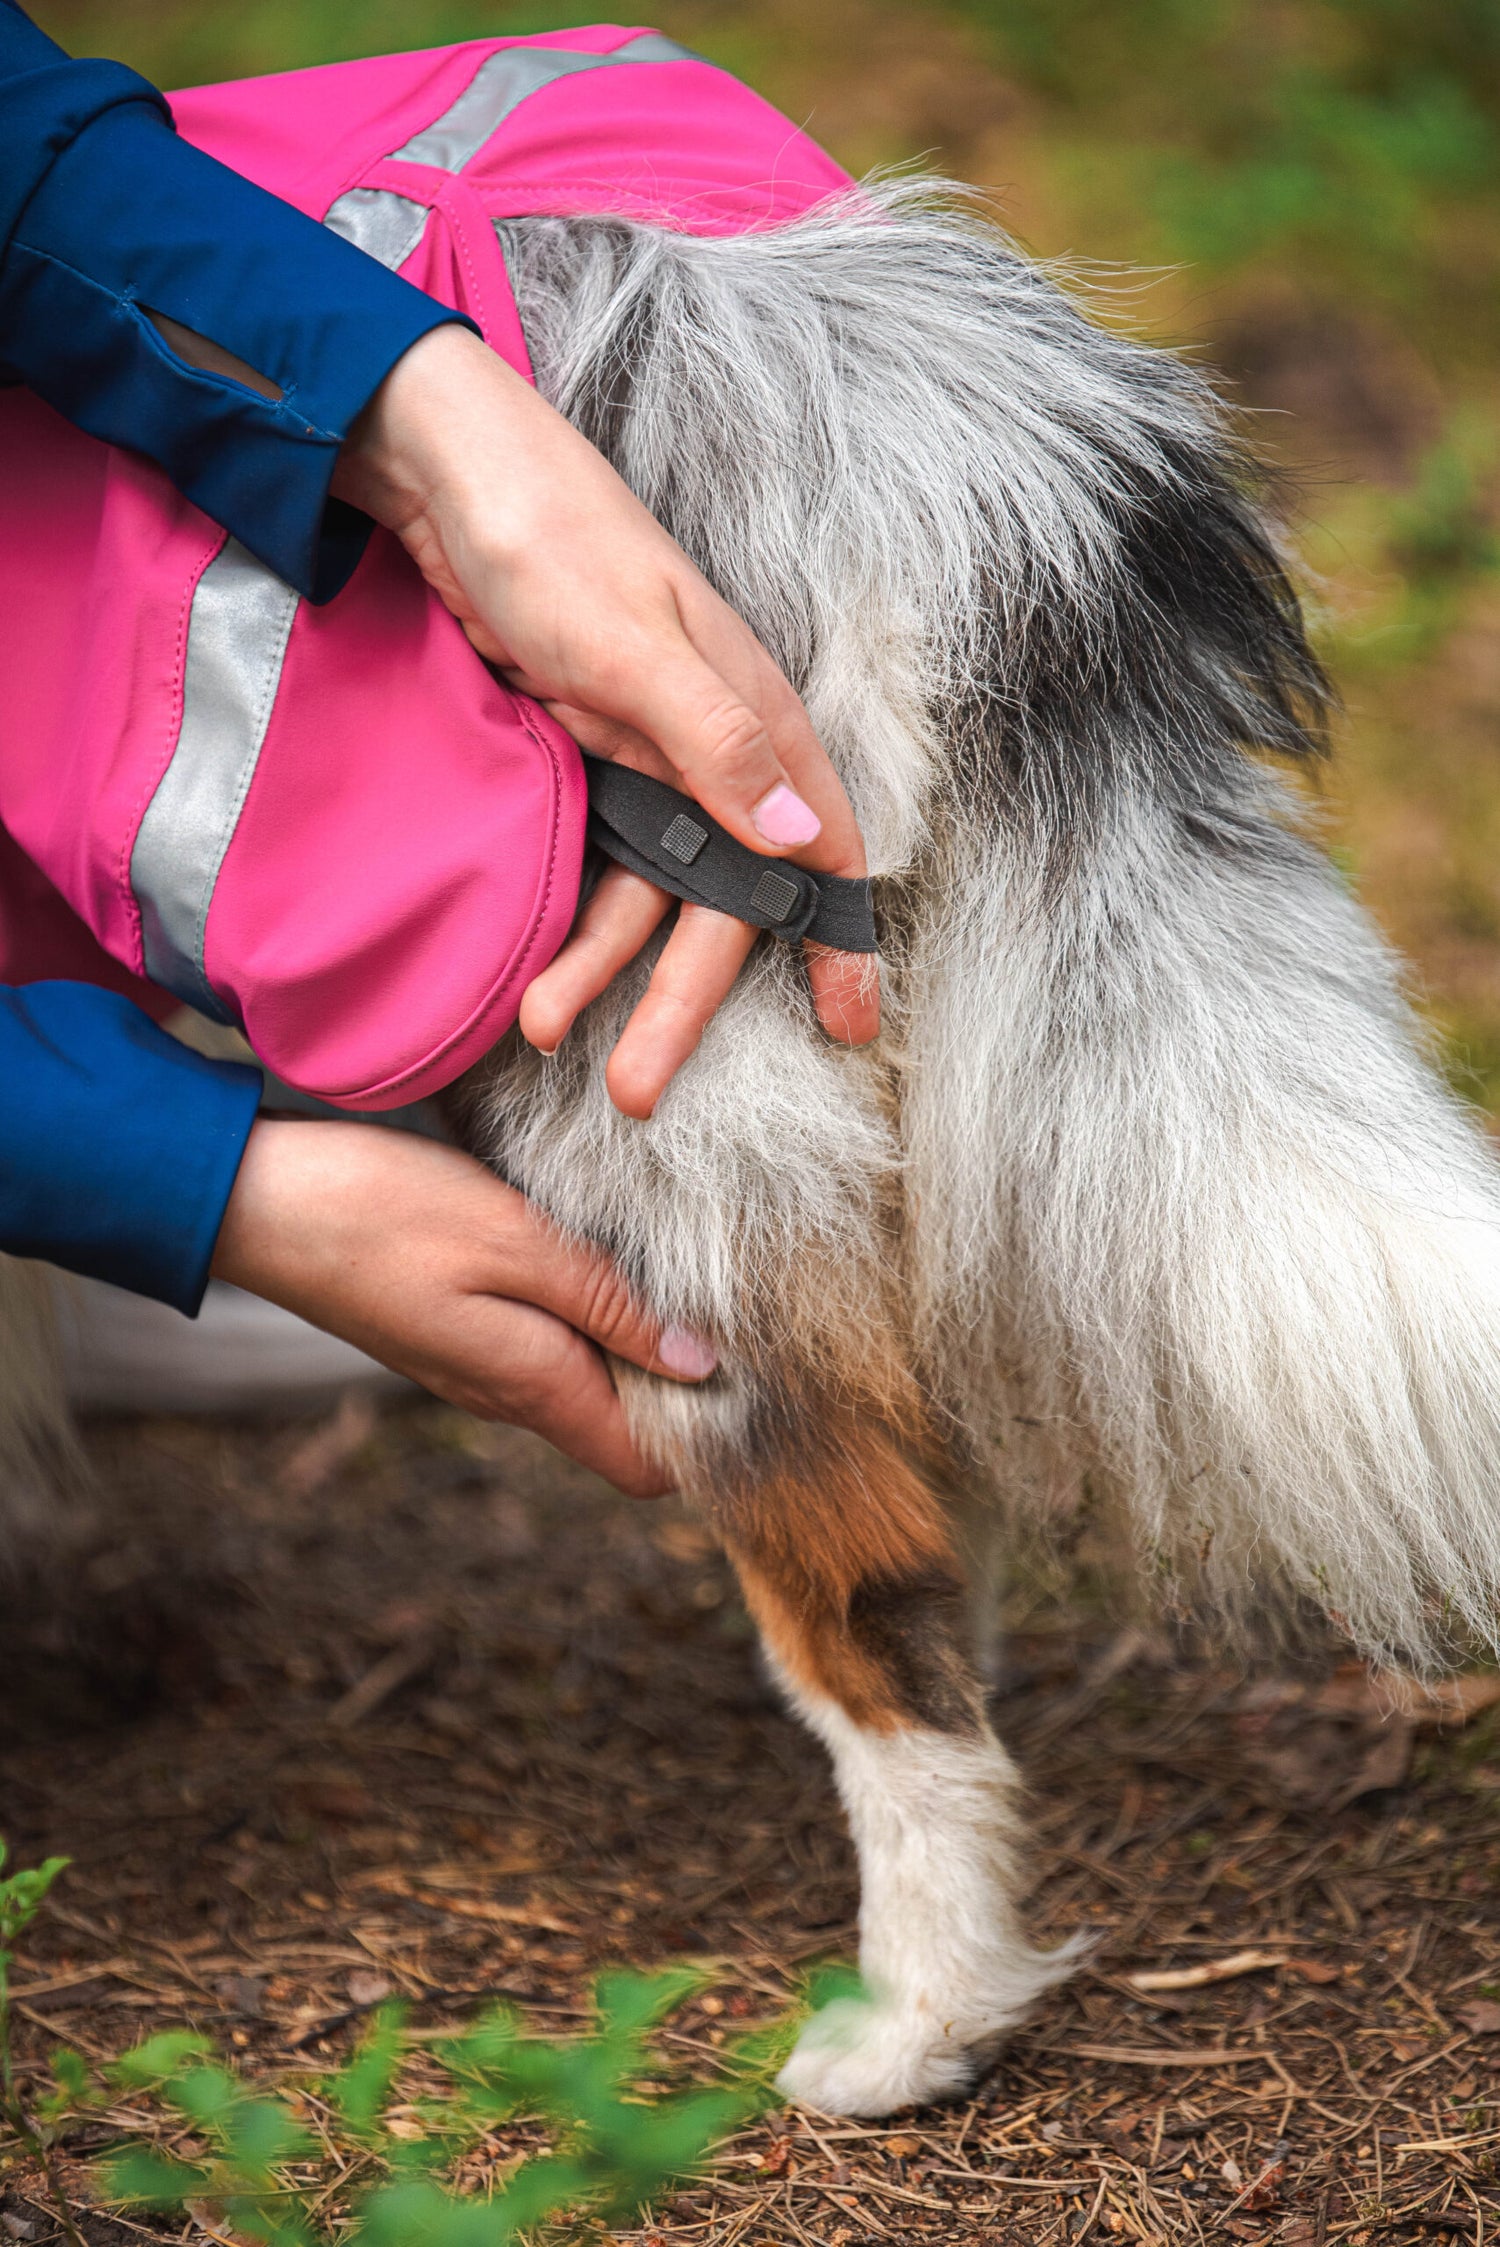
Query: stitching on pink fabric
[
  {"x": 599, "y": 198},
  {"x": 173, "y": 731},
  {"x": 362, "y": 167},
  {"x": 452, "y": 200},
  {"x": 264, "y": 702},
  {"x": 500, "y": 989},
  {"x": 362, "y": 170}
]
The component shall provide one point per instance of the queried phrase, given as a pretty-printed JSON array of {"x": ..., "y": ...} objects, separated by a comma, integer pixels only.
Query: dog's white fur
[
  {"x": 943, "y": 1953},
  {"x": 1184, "y": 1206},
  {"x": 1172, "y": 1155},
  {"x": 1181, "y": 1206}
]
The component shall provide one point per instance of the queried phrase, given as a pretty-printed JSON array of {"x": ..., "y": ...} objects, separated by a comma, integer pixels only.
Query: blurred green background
[{"x": 1314, "y": 186}]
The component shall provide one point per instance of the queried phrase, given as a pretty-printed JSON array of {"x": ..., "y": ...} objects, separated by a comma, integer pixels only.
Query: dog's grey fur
[
  {"x": 1148, "y": 1180},
  {"x": 1176, "y": 1180}
]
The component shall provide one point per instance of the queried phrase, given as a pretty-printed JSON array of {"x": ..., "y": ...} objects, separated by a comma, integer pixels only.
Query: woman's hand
[
  {"x": 565, "y": 582},
  {"x": 422, "y": 1258}
]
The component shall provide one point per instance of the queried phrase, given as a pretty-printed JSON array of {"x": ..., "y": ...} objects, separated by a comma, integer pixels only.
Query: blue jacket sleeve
[
  {"x": 118, "y": 1146},
  {"x": 104, "y": 215}
]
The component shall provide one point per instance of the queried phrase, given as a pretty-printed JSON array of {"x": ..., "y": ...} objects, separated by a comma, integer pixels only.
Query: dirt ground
[
  {"x": 393, "y": 1702},
  {"x": 396, "y": 1703}
]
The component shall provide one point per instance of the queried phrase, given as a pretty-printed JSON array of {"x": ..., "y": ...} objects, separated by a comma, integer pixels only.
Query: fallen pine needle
[
  {"x": 1032, "y": 2184},
  {"x": 1443, "y": 2145},
  {"x": 1163, "y": 2056},
  {"x": 1212, "y": 1970},
  {"x": 464, "y": 1907}
]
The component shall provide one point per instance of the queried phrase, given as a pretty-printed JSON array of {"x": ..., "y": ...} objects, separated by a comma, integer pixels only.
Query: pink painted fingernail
[
  {"x": 686, "y": 1354},
  {"x": 783, "y": 817}
]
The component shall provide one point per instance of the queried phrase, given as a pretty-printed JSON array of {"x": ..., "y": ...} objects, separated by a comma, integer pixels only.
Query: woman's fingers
[
  {"x": 693, "y": 975},
  {"x": 563, "y": 580},
  {"x": 614, "y": 924},
  {"x": 559, "y": 573},
  {"x": 728, "y": 730},
  {"x": 696, "y": 971},
  {"x": 681, "y": 721},
  {"x": 727, "y": 646},
  {"x": 845, "y": 985},
  {"x": 560, "y": 1388},
  {"x": 420, "y": 1256},
  {"x": 846, "y": 992},
  {"x": 721, "y": 751},
  {"x": 582, "y": 1287}
]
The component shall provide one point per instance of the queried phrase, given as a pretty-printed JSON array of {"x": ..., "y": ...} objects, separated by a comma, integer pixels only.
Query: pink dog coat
[{"x": 333, "y": 826}]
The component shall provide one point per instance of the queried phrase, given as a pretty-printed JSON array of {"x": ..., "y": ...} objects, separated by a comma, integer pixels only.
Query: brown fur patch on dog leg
[
  {"x": 851, "y": 1577},
  {"x": 890, "y": 1656}
]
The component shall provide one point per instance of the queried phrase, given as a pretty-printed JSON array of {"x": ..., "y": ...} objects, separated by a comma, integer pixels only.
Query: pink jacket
[{"x": 333, "y": 826}]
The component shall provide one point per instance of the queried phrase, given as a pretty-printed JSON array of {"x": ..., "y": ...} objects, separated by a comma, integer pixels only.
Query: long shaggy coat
[{"x": 1148, "y": 1184}]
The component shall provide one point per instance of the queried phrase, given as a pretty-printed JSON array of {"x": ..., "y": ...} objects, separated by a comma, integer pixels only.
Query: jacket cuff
[{"x": 119, "y": 1147}]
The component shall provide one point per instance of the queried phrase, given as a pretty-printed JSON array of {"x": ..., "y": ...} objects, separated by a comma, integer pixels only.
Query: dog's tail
[
  {"x": 1176, "y": 1161},
  {"x": 1174, "y": 1131},
  {"x": 1240, "y": 1240}
]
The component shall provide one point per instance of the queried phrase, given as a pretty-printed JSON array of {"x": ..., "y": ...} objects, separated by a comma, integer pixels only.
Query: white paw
[{"x": 863, "y": 2057}]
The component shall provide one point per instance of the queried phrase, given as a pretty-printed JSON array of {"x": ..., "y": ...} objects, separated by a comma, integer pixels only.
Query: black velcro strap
[{"x": 670, "y": 840}]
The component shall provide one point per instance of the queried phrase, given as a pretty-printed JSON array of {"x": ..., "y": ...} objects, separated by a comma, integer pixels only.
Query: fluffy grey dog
[{"x": 1148, "y": 1180}]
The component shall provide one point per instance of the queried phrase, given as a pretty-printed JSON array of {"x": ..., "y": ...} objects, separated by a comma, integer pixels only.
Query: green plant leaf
[
  {"x": 22, "y": 1894},
  {"x": 157, "y": 2060},
  {"x": 423, "y": 2215},
  {"x": 71, "y": 2070},
  {"x": 361, "y": 2090},
  {"x": 261, "y": 2135},
  {"x": 483, "y": 2053},
  {"x": 276, "y": 2222},
  {"x": 206, "y": 2095},
  {"x": 630, "y": 2004},
  {"x": 75, "y": 2093},
  {"x": 612, "y": 2148},
  {"x": 538, "y": 2189},
  {"x": 142, "y": 2178},
  {"x": 831, "y": 1982},
  {"x": 652, "y": 2147}
]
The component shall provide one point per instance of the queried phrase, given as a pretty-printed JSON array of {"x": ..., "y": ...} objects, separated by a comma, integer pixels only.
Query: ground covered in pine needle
[{"x": 393, "y": 1703}]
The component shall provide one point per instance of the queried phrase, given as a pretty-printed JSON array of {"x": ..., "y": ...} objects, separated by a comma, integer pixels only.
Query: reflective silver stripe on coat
[
  {"x": 237, "y": 634},
  {"x": 389, "y": 226},
  {"x": 502, "y": 82},
  {"x": 242, "y": 613},
  {"x": 383, "y": 225}
]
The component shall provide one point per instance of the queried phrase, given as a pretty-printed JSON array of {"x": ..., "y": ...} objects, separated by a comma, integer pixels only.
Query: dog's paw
[
  {"x": 860, "y": 2056},
  {"x": 869, "y": 2055}
]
